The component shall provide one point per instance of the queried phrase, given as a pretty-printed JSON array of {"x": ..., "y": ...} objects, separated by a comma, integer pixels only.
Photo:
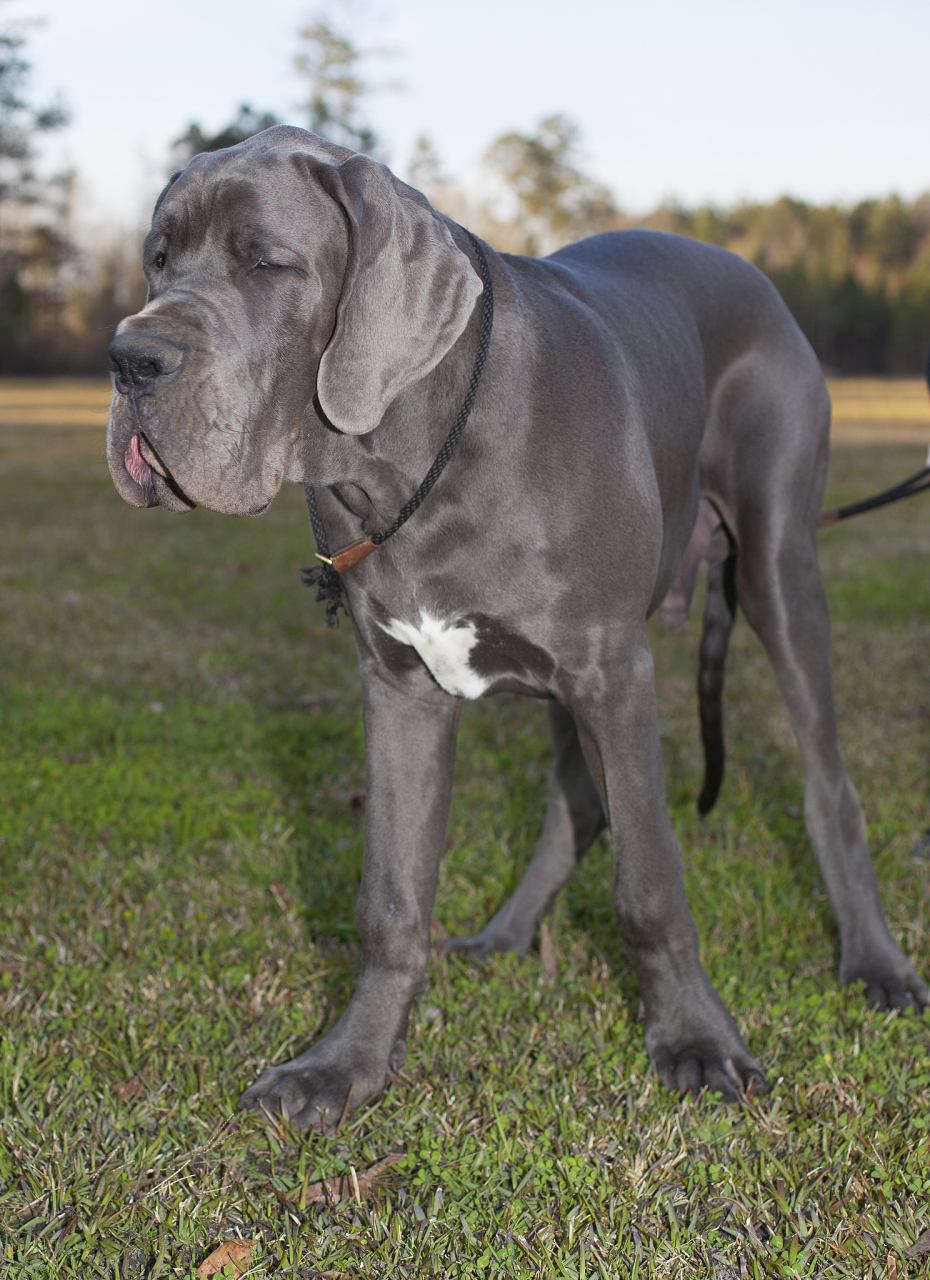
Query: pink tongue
[{"x": 136, "y": 465}]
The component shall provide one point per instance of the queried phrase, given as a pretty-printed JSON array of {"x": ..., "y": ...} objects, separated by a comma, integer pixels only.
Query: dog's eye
[
  {"x": 262, "y": 263},
  {"x": 159, "y": 262}
]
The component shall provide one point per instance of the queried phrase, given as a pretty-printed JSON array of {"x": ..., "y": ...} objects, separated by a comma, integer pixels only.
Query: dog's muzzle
[{"x": 144, "y": 362}]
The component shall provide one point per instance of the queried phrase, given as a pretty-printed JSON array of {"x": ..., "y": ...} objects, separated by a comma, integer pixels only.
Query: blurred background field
[
  {"x": 879, "y": 410},
  {"x": 181, "y": 765},
  {"x": 865, "y": 410},
  {"x": 54, "y": 402}
]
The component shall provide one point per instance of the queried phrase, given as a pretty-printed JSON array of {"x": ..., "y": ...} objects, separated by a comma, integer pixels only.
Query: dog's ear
[
  {"x": 407, "y": 295},
  {"x": 165, "y": 189}
]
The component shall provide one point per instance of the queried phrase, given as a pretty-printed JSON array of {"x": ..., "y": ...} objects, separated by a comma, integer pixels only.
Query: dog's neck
[{"x": 378, "y": 472}]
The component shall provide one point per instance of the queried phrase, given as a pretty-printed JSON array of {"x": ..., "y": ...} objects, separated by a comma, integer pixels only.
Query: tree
[
  {"x": 20, "y": 123},
  {"x": 34, "y": 216},
  {"x": 857, "y": 280},
  {"x": 556, "y": 202},
  {"x": 332, "y": 62},
  {"x": 245, "y": 125}
]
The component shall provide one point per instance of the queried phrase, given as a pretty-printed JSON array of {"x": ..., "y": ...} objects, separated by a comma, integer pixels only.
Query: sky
[{"x": 698, "y": 100}]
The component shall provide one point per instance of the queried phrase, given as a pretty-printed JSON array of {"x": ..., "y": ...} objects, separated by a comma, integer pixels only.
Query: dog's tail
[{"x": 719, "y": 616}]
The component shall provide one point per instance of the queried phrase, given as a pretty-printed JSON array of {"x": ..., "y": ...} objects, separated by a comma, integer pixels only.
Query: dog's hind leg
[
  {"x": 782, "y": 595},
  {"x": 574, "y": 817},
  {"x": 719, "y": 616}
]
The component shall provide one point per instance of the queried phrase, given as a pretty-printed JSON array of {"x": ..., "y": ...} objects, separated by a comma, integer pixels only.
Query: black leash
[
  {"x": 328, "y": 577},
  {"x": 916, "y": 483}
]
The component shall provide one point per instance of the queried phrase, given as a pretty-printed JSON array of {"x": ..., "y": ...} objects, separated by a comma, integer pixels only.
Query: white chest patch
[{"x": 445, "y": 648}]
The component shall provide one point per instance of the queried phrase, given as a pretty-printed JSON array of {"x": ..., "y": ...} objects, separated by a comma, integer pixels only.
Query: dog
[{"x": 647, "y": 402}]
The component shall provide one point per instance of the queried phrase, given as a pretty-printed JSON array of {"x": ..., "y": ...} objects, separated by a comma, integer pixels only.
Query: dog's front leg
[
  {"x": 690, "y": 1035},
  {"x": 410, "y": 756}
]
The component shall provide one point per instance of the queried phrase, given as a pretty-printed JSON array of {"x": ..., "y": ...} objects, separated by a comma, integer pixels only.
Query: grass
[{"x": 181, "y": 766}]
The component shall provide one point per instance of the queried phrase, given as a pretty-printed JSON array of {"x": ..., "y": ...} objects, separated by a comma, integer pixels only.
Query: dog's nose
[{"x": 143, "y": 360}]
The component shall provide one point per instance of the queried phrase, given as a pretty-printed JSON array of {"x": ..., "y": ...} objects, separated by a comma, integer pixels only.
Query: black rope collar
[{"x": 328, "y": 578}]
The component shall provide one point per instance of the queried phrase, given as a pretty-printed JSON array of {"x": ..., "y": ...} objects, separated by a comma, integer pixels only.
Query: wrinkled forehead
[{"x": 272, "y": 194}]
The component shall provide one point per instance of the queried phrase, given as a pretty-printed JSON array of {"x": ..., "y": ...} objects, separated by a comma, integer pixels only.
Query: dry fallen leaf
[
  {"x": 547, "y": 956},
  {"x": 281, "y": 896},
  {"x": 920, "y": 1246},
  {"x": 335, "y": 1189},
  {"x": 235, "y": 1253},
  {"x": 126, "y": 1088},
  {"x": 68, "y": 1227}
]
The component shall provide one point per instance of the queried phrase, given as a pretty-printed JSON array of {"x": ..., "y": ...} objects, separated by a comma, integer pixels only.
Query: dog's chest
[
  {"x": 470, "y": 656},
  {"x": 445, "y": 648}
]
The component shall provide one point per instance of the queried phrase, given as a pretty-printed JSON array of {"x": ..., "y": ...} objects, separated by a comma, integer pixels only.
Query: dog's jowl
[{"x": 646, "y": 402}]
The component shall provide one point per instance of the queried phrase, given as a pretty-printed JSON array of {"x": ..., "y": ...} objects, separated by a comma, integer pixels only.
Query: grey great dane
[{"x": 647, "y": 402}]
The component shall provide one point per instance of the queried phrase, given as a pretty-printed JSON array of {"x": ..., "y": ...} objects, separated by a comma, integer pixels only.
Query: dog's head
[{"x": 287, "y": 277}]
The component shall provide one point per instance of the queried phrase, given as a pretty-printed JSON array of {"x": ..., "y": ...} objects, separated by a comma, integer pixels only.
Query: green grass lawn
[{"x": 181, "y": 779}]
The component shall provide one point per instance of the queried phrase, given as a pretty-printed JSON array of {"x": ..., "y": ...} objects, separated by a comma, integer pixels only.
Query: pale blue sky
[{"x": 707, "y": 99}]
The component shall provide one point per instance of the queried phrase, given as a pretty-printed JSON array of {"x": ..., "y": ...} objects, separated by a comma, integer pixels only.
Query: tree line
[{"x": 856, "y": 278}]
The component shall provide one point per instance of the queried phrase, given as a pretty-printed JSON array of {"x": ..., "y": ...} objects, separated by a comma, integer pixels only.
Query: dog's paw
[
  {"x": 476, "y": 947},
  {"x": 314, "y": 1094},
  {"x": 901, "y": 989},
  {"x": 311, "y": 1098},
  {"x": 499, "y": 934},
  {"x": 691, "y": 1070},
  {"x": 695, "y": 1044},
  {"x": 891, "y": 982}
]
